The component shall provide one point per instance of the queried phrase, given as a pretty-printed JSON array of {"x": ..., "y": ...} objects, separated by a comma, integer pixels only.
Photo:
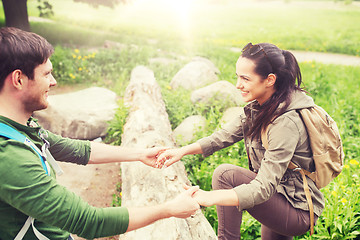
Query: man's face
[{"x": 37, "y": 89}]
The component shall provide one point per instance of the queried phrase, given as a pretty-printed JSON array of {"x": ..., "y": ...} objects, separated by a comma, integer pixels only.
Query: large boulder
[
  {"x": 195, "y": 74},
  {"x": 82, "y": 115},
  {"x": 208, "y": 62},
  {"x": 147, "y": 126},
  {"x": 230, "y": 114},
  {"x": 184, "y": 133},
  {"x": 222, "y": 91}
]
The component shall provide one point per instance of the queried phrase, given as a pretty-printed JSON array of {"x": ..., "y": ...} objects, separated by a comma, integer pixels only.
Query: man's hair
[{"x": 21, "y": 50}]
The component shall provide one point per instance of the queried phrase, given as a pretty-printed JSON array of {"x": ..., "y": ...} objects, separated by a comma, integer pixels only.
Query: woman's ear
[{"x": 271, "y": 79}]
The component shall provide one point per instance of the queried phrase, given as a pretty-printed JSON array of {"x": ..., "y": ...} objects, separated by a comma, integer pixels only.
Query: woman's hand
[
  {"x": 184, "y": 205},
  {"x": 222, "y": 197},
  {"x": 202, "y": 197},
  {"x": 150, "y": 156},
  {"x": 169, "y": 157}
]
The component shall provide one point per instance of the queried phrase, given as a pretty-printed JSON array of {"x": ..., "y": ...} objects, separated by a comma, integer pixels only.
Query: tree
[{"x": 16, "y": 14}]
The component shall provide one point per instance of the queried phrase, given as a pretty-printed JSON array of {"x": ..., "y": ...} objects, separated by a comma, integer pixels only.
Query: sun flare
[{"x": 174, "y": 13}]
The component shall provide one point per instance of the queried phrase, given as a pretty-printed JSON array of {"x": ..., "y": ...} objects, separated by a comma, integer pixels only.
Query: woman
[{"x": 269, "y": 79}]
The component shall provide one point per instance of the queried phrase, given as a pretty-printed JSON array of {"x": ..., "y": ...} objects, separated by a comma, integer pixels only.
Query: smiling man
[{"x": 32, "y": 204}]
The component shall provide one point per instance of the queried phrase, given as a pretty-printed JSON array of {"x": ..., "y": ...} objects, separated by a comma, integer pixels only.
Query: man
[{"x": 27, "y": 186}]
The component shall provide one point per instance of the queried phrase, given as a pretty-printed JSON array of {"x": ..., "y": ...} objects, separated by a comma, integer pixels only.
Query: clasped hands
[
  {"x": 163, "y": 158},
  {"x": 167, "y": 157}
]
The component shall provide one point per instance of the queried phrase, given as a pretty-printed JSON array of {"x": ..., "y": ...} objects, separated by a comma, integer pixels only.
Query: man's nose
[{"x": 53, "y": 81}]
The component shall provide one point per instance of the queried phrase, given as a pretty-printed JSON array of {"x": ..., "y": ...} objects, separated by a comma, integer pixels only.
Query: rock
[
  {"x": 208, "y": 62},
  {"x": 119, "y": 46},
  {"x": 82, "y": 115},
  {"x": 222, "y": 91},
  {"x": 195, "y": 74},
  {"x": 230, "y": 114},
  {"x": 148, "y": 125},
  {"x": 112, "y": 44},
  {"x": 184, "y": 133},
  {"x": 162, "y": 60}
]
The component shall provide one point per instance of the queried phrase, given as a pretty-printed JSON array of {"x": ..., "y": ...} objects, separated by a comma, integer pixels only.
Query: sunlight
[
  {"x": 180, "y": 8},
  {"x": 166, "y": 13},
  {"x": 182, "y": 12}
]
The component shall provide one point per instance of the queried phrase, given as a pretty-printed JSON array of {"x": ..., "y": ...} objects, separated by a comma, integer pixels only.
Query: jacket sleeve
[
  {"x": 230, "y": 134},
  {"x": 69, "y": 150},
  {"x": 283, "y": 137},
  {"x": 25, "y": 186}
]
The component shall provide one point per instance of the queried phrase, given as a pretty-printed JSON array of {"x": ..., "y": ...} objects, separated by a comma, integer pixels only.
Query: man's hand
[
  {"x": 150, "y": 156},
  {"x": 202, "y": 197},
  {"x": 222, "y": 197},
  {"x": 184, "y": 205}
]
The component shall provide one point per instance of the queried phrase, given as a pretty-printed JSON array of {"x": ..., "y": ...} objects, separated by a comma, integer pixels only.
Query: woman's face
[{"x": 252, "y": 85}]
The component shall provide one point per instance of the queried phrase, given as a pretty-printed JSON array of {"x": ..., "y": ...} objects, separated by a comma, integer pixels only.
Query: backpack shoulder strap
[{"x": 11, "y": 133}]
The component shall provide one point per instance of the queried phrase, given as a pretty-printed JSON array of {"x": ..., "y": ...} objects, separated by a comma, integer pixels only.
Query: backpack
[{"x": 326, "y": 147}]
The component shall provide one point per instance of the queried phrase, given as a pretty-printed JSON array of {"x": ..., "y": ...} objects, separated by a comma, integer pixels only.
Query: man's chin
[{"x": 41, "y": 108}]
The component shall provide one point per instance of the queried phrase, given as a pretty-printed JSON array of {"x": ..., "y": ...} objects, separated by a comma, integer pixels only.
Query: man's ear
[
  {"x": 271, "y": 79},
  {"x": 17, "y": 79}
]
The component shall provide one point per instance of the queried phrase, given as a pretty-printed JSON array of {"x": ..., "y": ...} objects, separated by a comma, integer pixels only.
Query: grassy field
[
  {"x": 315, "y": 26},
  {"x": 209, "y": 28}
]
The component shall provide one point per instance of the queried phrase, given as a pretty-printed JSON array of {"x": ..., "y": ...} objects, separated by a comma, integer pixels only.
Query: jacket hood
[{"x": 300, "y": 100}]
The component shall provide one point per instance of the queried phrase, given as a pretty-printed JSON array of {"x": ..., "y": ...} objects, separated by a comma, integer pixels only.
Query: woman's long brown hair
[{"x": 283, "y": 64}]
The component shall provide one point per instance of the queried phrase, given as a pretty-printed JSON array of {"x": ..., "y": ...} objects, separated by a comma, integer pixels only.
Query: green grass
[
  {"x": 324, "y": 26},
  {"x": 79, "y": 32}
]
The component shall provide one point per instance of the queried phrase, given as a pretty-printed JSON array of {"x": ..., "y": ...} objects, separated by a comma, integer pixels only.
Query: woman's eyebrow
[{"x": 242, "y": 75}]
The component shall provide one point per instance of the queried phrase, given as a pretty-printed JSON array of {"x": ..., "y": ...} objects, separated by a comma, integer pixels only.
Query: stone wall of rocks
[
  {"x": 200, "y": 76},
  {"x": 148, "y": 126},
  {"x": 82, "y": 114}
]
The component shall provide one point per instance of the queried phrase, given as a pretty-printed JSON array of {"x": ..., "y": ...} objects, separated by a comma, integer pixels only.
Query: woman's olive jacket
[{"x": 287, "y": 141}]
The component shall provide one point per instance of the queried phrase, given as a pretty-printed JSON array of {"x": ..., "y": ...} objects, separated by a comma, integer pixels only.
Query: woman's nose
[{"x": 239, "y": 84}]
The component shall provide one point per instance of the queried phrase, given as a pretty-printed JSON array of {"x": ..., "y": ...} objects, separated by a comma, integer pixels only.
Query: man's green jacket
[{"x": 26, "y": 190}]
